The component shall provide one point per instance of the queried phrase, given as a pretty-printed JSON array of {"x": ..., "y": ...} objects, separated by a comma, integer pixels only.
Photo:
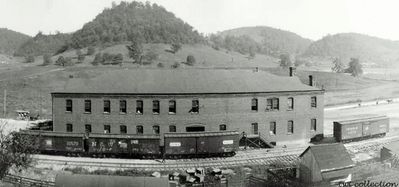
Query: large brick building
[{"x": 279, "y": 110}]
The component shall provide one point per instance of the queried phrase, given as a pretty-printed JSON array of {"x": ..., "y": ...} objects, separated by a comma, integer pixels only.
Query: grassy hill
[
  {"x": 43, "y": 44},
  {"x": 347, "y": 45},
  {"x": 11, "y": 40},
  {"x": 269, "y": 40}
]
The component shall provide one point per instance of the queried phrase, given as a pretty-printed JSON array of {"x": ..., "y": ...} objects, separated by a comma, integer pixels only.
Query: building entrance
[{"x": 195, "y": 129}]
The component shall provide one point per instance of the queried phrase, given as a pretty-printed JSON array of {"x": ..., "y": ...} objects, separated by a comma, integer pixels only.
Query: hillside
[
  {"x": 10, "y": 41},
  {"x": 262, "y": 39},
  {"x": 346, "y": 45},
  {"x": 148, "y": 23},
  {"x": 43, "y": 44}
]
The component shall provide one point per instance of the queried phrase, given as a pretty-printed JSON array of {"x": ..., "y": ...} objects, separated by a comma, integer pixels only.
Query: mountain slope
[
  {"x": 147, "y": 22},
  {"x": 271, "y": 41},
  {"x": 348, "y": 45},
  {"x": 43, "y": 44},
  {"x": 11, "y": 40}
]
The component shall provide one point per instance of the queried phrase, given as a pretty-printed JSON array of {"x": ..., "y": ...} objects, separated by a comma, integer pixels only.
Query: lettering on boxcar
[
  {"x": 174, "y": 144},
  {"x": 228, "y": 142},
  {"x": 135, "y": 142},
  {"x": 72, "y": 143}
]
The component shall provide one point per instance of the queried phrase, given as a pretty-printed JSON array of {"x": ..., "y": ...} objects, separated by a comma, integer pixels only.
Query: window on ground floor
[
  {"x": 107, "y": 129},
  {"x": 123, "y": 129},
  {"x": 88, "y": 128},
  {"x": 139, "y": 129},
  {"x": 272, "y": 130},
  {"x": 290, "y": 127},
  {"x": 254, "y": 128},
  {"x": 69, "y": 127},
  {"x": 222, "y": 127},
  {"x": 313, "y": 124},
  {"x": 172, "y": 128},
  {"x": 155, "y": 129}
]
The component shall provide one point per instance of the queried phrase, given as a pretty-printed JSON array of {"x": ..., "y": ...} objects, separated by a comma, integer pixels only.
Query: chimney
[
  {"x": 292, "y": 71},
  {"x": 310, "y": 80}
]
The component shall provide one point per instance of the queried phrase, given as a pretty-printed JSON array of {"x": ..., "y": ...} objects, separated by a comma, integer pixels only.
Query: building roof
[
  {"x": 361, "y": 118},
  {"x": 77, "y": 180},
  {"x": 393, "y": 147},
  {"x": 188, "y": 81},
  {"x": 330, "y": 157}
]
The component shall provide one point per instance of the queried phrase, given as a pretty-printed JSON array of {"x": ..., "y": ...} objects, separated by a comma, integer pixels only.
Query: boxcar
[
  {"x": 123, "y": 145},
  {"x": 200, "y": 144},
  {"x": 58, "y": 143},
  {"x": 360, "y": 128}
]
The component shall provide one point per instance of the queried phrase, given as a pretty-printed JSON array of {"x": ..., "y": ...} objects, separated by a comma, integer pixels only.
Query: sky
[{"x": 311, "y": 19}]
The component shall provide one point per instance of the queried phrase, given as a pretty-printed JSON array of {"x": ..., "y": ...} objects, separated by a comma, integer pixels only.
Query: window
[
  {"x": 107, "y": 129},
  {"x": 155, "y": 107},
  {"x": 254, "y": 104},
  {"x": 68, "y": 105},
  {"x": 254, "y": 128},
  {"x": 139, "y": 107},
  {"x": 272, "y": 104},
  {"x": 88, "y": 128},
  {"x": 272, "y": 128},
  {"x": 155, "y": 129},
  {"x": 87, "y": 106},
  {"x": 194, "y": 106},
  {"x": 123, "y": 129},
  {"x": 172, "y": 107},
  {"x": 313, "y": 123},
  {"x": 222, "y": 127},
  {"x": 172, "y": 128},
  {"x": 290, "y": 127},
  {"x": 313, "y": 102},
  {"x": 139, "y": 129},
  {"x": 122, "y": 106},
  {"x": 69, "y": 127},
  {"x": 290, "y": 103},
  {"x": 107, "y": 106}
]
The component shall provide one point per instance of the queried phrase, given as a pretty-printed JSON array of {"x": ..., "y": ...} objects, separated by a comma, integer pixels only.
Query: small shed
[
  {"x": 325, "y": 163},
  {"x": 390, "y": 151},
  {"x": 78, "y": 180}
]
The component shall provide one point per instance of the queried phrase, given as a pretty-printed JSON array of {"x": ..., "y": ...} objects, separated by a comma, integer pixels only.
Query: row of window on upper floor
[
  {"x": 290, "y": 127},
  {"x": 272, "y": 104}
]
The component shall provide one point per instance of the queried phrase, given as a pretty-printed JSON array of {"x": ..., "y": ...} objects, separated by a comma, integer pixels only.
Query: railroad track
[{"x": 275, "y": 158}]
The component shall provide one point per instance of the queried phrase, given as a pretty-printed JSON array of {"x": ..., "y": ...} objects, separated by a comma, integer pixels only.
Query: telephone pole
[{"x": 5, "y": 103}]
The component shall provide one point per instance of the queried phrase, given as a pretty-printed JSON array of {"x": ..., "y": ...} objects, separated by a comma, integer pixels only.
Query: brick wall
[{"x": 234, "y": 110}]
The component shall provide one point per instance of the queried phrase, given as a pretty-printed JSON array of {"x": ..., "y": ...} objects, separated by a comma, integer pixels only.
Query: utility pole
[{"x": 5, "y": 103}]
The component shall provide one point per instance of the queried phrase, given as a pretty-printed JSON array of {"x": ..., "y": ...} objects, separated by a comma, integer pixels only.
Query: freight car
[
  {"x": 363, "y": 127},
  {"x": 177, "y": 145}
]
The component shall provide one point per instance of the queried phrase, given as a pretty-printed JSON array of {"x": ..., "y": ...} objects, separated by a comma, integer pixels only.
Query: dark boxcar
[
  {"x": 145, "y": 146},
  {"x": 123, "y": 145},
  {"x": 179, "y": 145},
  {"x": 59, "y": 143},
  {"x": 218, "y": 143},
  {"x": 360, "y": 127},
  {"x": 200, "y": 144}
]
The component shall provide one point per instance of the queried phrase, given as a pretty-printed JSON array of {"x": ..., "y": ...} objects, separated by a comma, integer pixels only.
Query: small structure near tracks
[
  {"x": 325, "y": 163},
  {"x": 390, "y": 153}
]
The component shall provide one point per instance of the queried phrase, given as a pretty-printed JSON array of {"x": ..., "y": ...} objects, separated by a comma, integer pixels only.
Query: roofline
[
  {"x": 207, "y": 93},
  {"x": 335, "y": 169}
]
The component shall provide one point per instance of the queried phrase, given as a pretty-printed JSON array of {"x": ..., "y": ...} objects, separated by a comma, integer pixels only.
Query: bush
[
  {"x": 150, "y": 57},
  {"x": 190, "y": 60},
  {"x": 175, "y": 47},
  {"x": 29, "y": 59},
  {"x": 47, "y": 60},
  {"x": 175, "y": 65},
  {"x": 90, "y": 50},
  {"x": 97, "y": 59},
  {"x": 61, "y": 61},
  {"x": 160, "y": 65}
]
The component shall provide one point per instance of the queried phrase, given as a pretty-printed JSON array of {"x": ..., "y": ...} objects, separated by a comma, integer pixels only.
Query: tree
[
  {"x": 355, "y": 68},
  {"x": 252, "y": 52},
  {"x": 338, "y": 66},
  {"x": 117, "y": 59},
  {"x": 15, "y": 150},
  {"x": 47, "y": 60},
  {"x": 90, "y": 50},
  {"x": 135, "y": 51},
  {"x": 29, "y": 59},
  {"x": 60, "y": 61},
  {"x": 285, "y": 61},
  {"x": 175, "y": 65},
  {"x": 175, "y": 47},
  {"x": 97, "y": 59},
  {"x": 190, "y": 60},
  {"x": 150, "y": 56}
]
